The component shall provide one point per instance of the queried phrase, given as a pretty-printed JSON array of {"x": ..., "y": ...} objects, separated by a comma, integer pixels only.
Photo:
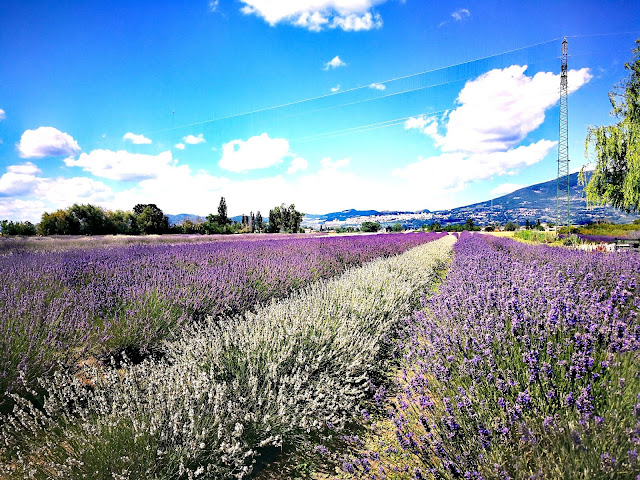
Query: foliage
[
  {"x": 397, "y": 227},
  {"x": 370, "y": 226},
  {"x": 536, "y": 236},
  {"x": 572, "y": 240},
  {"x": 610, "y": 229},
  {"x": 616, "y": 179},
  {"x": 285, "y": 219},
  {"x": 511, "y": 226},
  {"x": 17, "y": 228},
  {"x": 282, "y": 376},
  {"x": 150, "y": 219}
]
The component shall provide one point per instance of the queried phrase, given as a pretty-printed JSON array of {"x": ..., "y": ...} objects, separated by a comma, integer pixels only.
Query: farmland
[{"x": 389, "y": 356}]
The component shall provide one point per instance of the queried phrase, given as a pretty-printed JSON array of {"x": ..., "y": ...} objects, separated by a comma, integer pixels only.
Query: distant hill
[
  {"x": 529, "y": 203},
  {"x": 534, "y": 202},
  {"x": 181, "y": 217}
]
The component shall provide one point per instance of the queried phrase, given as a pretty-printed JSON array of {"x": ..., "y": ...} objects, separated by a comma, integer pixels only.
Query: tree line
[{"x": 147, "y": 219}]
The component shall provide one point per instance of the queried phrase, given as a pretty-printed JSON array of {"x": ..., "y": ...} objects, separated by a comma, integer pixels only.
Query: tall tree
[
  {"x": 222, "y": 212},
  {"x": 275, "y": 220},
  {"x": 252, "y": 223},
  {"x": 259, "y": 222},
  {"x": 616, "y": 179}
]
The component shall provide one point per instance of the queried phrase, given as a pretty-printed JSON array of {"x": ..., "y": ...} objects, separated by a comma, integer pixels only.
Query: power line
[{"x": 310, "y": 99}]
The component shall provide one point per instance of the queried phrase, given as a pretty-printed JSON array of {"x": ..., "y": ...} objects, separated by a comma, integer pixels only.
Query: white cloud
[
  {"x": 335, "y": 89},
  {"x": 378, "y": 86},
  {"x": 335, "y": 62},
  {"x": 121, "y": 165},
  {"x": 18, "y": 209},
  {"x": 453, "y": 171},
  {"x": 19, "y": 180},
  {"x": 63, "y": 192},
  {"x": 297, "y": 164},
  {"x": 46, "y": 142},
  {"x": 505, "y": 189},
  {"x": 316, "y": 15},
  {"x": 460, "y": 14},
  {"x": 356, "y": 23},
  {"x": 24, "y": 169},
  {"x": 179, "y": 146},
  {"x": 213, "y": 5},
  {"x": 257, "y": 152},
  {"x": 330, "y": 165},
  {"x": 137, "y": 139},
  {"x": 499, "y": 109},
  {"x": 38, "y": 194},
  {"x": 416, "y": 122},
  {"x": 194, "y": 140},
  {"x": 3, "y": 115}
]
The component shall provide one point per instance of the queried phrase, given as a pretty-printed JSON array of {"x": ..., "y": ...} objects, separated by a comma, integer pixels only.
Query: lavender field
[
  {"x": 411, "y": 356},
  {"x": 62, "y": 303},
  {"x": 524, "y": 365},
  {"x": 227, "y": 391}
]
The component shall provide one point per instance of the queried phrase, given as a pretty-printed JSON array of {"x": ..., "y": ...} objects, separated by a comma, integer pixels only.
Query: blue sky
[{"x": 328, "y": 104}]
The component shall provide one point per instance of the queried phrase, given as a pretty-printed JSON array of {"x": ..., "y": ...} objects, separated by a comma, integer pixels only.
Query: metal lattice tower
[{"x": 562, "y": 189}]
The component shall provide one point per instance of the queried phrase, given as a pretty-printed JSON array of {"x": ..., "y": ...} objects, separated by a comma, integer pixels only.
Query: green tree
[
  {"x": 259, "y": 222},
  {"x": 370, "y": 226},
  {"x": 56, "y": 223},
  {"x": 275, "y": 220},
  {"x": 284, "y": 218},
  {"x": 397, "y": 227},
  {"x": 469, "y": 224},
  {"x": 8, "y": 227},
  {"x": 222, "y": 212},
  {"x": 616, "y": 179},
  {"x": 150, "y": 219},
  {"x": 511, "y": 226},
  {"x": 89, "y": 220}
]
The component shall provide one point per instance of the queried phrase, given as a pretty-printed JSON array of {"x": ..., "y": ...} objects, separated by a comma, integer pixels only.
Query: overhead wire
[{"x": 342, "y": 92}]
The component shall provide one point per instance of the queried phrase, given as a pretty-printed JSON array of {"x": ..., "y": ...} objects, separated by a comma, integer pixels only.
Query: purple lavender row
[
  {"x": 62, "y": 306},
  {"x": 525, "y": 365}
]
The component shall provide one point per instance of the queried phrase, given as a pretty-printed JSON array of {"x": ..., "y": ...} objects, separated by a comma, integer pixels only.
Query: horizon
[{"x": 371, "y": 105}]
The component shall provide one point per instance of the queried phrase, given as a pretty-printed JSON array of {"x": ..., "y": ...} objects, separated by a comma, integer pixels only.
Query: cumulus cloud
[
  {"x": 25, "y": 194},
  {"x": 498, "y": 109},
  {"x": 62, "y": 192},
  {"x": 121, "y": 165},
  {"x": 505, "y": 189},
  {"x": 378, "y": 86},
  {"x": 453, "y": 171},
  {"x": 193, "y": 139},
  {"x": 18, "y": 209},
  {"x": 334, "y": 63},
  {"x": 297, "y": 164},
  {"x": 335, "y": 89},
  {"x": 317, "y": 15},
  {"x": 257, "y": 152},
  {"x": 3, "y": 115},
  {"x": 137, "y": 139},
  {"x": 179, "y": 146},
  {"x": 46, "y": 142},
  {"x": 19, "y": 180}
]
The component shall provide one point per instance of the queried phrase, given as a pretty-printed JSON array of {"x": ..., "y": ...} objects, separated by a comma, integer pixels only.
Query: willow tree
[{"x": 616, "y": 179}]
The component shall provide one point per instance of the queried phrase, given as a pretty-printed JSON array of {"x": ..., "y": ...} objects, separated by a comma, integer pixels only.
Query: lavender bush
[
  {"x": 293, "y": 372},
  {"x": 61, "y": 306},
  {"x": 525, "y": 365}
]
